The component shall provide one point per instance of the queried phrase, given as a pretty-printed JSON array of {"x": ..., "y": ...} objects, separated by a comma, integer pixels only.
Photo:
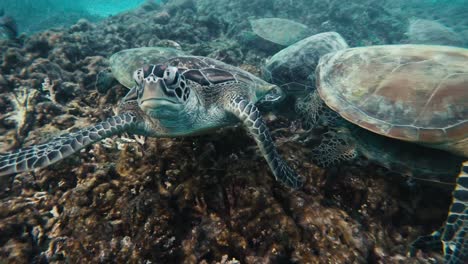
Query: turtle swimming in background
[
  {"x": 403, "y": 106},
  {"x": 293, "y": 68},
  {"x": 183, "y": 96},
  {"x": 279, "y": 30},
  {"x": 8, "y": 26}
]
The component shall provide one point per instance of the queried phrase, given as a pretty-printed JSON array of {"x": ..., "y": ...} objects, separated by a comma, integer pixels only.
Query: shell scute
[{"x": 215, "y": 75}]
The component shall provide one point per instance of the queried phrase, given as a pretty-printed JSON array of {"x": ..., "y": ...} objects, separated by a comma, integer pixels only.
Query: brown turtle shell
[{"x": 416, "y": 93}]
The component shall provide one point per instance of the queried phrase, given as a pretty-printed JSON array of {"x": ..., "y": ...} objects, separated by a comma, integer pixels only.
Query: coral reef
[{"x": 208, "y": 199}]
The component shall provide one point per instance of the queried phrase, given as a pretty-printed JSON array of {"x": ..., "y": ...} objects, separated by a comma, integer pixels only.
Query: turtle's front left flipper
[
  {"x": 248, "y": 113},
  {"x": 39, "y": 156},
  {"x": 455, "y": 235}
]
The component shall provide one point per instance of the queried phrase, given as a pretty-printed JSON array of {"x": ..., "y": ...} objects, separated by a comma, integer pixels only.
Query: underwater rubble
[{"x": 204, "y": 199}]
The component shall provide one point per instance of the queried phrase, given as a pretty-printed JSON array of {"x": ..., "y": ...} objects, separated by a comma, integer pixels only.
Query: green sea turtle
[
  {"x": 279, "y": 30},
  {"x": 186, "y": 95},
  {"x": 414, "y": 93},
  {"x": 8, "y": 27},
  {"x": 404, "y": 106},
  {"x": 293, "y": 67}
]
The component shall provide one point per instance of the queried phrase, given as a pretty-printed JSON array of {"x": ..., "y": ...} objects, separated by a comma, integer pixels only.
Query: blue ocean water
[{"x": 35, "y": 15}]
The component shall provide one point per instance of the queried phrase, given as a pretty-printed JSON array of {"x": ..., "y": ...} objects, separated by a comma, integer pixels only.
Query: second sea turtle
[
  {"x": 293, "y": 68},
  {"x": 413, "y": 93},
  {"x": 403, "y": 106}
]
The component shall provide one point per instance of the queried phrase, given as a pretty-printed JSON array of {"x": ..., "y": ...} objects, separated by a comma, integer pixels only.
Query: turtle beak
[{"x": 155, "y": 94}]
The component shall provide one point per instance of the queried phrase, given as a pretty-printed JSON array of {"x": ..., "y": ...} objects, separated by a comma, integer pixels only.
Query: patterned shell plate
[{"x": 207, "y": 71}]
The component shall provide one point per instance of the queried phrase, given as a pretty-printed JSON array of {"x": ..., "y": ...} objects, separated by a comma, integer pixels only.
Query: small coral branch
[
  {"x": 23, "y": 101},
  {"x": 47, "y": 86},
  {"x": 120, "y": 142}
]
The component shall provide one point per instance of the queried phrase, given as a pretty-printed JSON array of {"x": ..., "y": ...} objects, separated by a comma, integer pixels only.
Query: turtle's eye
[{"x": 171, "y": 75}]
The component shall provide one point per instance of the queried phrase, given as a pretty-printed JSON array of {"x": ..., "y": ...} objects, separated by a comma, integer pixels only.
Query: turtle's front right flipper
[{"x": 39, "y": 156}]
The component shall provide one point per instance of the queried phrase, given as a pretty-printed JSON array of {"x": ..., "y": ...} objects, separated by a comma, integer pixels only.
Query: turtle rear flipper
[
  {"x": 335, "y": 147},
  {"x": 248, "y": 113},
  {"x": 43, "y": 155},
  {"x": 452, "y": 237}
]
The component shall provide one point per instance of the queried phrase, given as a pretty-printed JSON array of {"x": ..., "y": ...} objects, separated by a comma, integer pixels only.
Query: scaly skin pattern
[
  {"x": 248, "y": 113},
  {"x": 456, "y": 228},
  {"x": 39, "y": 156}
]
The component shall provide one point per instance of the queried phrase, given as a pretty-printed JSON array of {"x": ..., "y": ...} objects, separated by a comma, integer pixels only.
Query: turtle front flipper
[
  {"x": 39, "y": 156},
  {"x": 248, "y": 113},
  {"x": 429, "y": 242},
  {"x": 455, "y": 233},
  {"x": 453, "y": 236}
]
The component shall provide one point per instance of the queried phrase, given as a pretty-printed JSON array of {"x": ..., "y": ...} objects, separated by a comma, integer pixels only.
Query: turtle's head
[{"x": 162, "y": 91}]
